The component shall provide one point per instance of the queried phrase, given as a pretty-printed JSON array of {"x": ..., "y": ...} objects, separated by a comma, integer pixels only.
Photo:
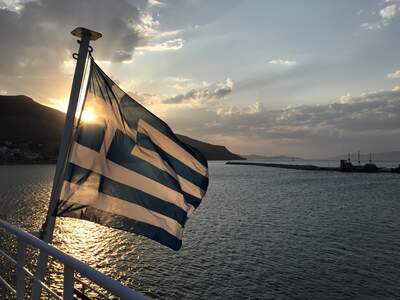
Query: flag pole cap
[{"x": 81, "y": 31}]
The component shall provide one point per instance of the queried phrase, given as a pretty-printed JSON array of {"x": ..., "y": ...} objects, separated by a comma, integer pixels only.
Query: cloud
[
  {"x": 154, "y": 3},
  {"x": 36, "y": 59},
  {"x": 373, "y": 26},
  {"x": 174, "y": 44},
  {"x": 37, "y": 47},
  {"x": 229, "y": 110},
  {"x": 146, "y": 99},
  {"x": 255, "y": 108},
  {"x": 157, "y": 40},
  {"x": 370, "y": 121},
  {"x": 345, "y": 98},
  {"x": 394, "y": 75},
  {"x": 388, "y": 12},
  {"x": 283, "y": 62},
  {"x": 42, "y": 26},
  {"x": 148, "y": 27},
  {"x": 226, "y": 111},
  {"x": 379, "y": 111},
  {"x": 13, "y": 5},
  {"x": 180, "y": 83},
  {"x": 203, "y": 95}
]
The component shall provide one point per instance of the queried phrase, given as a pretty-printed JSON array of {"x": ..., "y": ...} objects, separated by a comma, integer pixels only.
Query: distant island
[
  {"x": 278, "y": 157},
  {"x": 31, "y": 133},
  {"x": 392, "y": 156}
]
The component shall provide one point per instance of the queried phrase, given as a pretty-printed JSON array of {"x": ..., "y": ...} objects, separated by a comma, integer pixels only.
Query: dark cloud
[
  {"x": 35, "y": 40},
  {"x": 37, "y": 34}
]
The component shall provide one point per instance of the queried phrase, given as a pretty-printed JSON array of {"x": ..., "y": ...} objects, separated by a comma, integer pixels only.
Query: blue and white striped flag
[{"x": 126, "y": 168}]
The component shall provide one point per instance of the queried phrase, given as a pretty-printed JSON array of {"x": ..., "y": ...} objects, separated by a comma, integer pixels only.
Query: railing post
[
  {"x": 21, "y": 257},
  {"x": 68, "y": 283},
  {"x": 71, "y": 266}
]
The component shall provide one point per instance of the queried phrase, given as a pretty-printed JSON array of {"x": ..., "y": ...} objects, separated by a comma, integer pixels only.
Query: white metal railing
[{"x": 71, "y": 265}]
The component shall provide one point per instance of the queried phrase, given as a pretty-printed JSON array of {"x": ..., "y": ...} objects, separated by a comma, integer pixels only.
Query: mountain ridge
[{"x": 31, "y": 132}]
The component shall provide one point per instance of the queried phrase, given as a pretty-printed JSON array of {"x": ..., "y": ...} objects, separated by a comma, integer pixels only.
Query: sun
[{"x": 88, "y": 115}]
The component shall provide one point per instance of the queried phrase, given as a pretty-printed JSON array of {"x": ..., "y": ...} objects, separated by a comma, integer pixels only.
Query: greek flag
[{"x": 126, "y": 168}]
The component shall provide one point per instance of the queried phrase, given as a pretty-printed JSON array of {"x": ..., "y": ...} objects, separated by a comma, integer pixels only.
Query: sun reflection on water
[
  {"x": 100, "y": 247},
  {"x": 82, "y": 239}
]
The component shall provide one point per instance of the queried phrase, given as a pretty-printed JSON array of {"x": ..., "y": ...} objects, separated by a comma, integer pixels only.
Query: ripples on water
[{"x": 260, "y": 233}]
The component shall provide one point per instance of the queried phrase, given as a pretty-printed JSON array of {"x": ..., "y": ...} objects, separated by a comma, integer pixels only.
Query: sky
[{"x": 303, "y": 78}]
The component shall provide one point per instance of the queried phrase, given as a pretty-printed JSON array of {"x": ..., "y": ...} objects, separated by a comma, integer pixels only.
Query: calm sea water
[{"x": 260, "y": 233}]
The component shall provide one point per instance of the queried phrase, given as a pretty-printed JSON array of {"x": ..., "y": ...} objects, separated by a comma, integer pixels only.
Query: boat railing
[{"x": 79, "y": 279}]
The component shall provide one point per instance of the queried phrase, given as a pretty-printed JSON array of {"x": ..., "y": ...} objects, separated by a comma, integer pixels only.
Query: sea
[{"x": 260, "y": 233}]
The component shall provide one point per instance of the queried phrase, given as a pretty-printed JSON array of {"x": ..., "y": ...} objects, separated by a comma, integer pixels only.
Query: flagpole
[{"x": 85, "y": 36}]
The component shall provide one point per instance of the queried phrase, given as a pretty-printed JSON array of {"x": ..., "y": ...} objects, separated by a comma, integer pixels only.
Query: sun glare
[{"x": 88, "y": 115}]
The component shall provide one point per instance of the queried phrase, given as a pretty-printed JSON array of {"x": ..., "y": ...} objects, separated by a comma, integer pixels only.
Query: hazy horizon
[{"x": 270, "y": 78}]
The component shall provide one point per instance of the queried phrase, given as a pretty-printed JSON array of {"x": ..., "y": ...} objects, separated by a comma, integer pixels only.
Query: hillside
[
  {"x": 22, "y": 119},
  {"x": 31, "y": 132},
  {"x": 210, "y": 151}
]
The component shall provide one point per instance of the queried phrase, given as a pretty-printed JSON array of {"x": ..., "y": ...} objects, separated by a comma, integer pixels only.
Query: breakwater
[{"x": 344, "y": 167}]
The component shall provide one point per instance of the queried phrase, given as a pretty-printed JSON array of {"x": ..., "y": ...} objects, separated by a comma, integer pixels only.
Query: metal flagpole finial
[{"x": 84, "y": 32}]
